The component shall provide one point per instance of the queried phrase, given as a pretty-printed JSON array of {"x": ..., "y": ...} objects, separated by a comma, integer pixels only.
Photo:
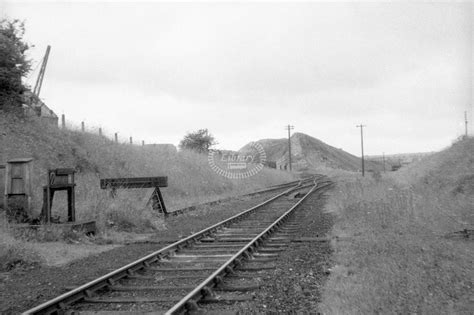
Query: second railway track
[{"x": 198, "y": 269}]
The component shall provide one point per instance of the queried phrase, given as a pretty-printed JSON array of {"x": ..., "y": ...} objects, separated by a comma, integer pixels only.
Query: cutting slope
[
  {"x": 451, "y": 169},
  {"x": 191, "y": 179},
  {"x": 406, "y": 247}
]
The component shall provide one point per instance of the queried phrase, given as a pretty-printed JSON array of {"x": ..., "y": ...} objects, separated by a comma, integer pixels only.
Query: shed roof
[{"x": 20, "y": 160}]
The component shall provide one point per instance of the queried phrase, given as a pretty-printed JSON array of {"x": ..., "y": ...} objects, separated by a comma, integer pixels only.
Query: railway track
[
  {"x": 215, "y": 265},
  {"x": 262, "y": 191}
]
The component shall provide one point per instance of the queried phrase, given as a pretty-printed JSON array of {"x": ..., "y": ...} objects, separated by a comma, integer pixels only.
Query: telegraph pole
[
  {"x": 465, "y": 121},
  {"x": 289, "y": 128},
  {"x": 362, "y": 145},
  {"x": 383, "y": 157}
]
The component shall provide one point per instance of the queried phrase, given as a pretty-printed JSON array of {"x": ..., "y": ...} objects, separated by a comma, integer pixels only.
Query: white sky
[{"x": 156, "y": 70}]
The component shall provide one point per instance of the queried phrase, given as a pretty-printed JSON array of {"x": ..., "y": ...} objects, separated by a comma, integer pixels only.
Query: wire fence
[{"x": 64, "y": 124}]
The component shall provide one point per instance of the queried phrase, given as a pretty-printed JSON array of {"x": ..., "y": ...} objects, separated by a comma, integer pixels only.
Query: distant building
[
  {"x": 270, "y": 164},
  {"x": 33, "y": 106},
  {"x": 282, "y": 163},
  {"x": 395, "y": 161}
]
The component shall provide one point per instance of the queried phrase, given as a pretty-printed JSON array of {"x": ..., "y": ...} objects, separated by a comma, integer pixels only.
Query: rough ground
[{"x": 27, "y": 286}]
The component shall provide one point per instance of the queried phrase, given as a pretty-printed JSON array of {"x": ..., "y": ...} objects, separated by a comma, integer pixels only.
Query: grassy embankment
[
  {"x": 392, "y": 254},
  {"x": 191, "y": 180}
]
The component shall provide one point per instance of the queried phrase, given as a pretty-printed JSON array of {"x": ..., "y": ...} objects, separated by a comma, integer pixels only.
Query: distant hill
[{"x": 309, "y": 153}]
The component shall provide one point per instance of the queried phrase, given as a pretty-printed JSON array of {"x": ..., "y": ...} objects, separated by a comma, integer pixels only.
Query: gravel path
[{"x": 29, "y": 286}]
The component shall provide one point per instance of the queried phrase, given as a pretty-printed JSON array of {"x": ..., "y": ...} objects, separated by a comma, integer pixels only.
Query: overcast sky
[{"x": 155, "y": 70}]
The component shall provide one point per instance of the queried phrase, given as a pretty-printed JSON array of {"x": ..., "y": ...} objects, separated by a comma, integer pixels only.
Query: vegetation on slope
[
  {"x": 191, "y": 180},
  {"x": 13, "y": 64},
  {"x": 395, "y": 251}
]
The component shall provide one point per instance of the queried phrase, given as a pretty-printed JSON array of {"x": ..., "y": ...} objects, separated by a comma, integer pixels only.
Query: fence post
[
  {"x": 63, "y": 121},
  {"x": 100, "y": 131},
  {"x": 116, "y": 138},
  {"x": 131, "y": 140},
  {"x": 143, "y": 143},
  {"x": 83, "y": 128}
]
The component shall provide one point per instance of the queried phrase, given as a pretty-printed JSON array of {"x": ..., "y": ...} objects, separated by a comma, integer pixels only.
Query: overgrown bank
[
  {"x": 394, "y": 252},
  {"x": 191, "y": 180}
]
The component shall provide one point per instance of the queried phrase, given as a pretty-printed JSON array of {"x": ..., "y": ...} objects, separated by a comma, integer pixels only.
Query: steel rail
[
  {"x": 309, "y": 178},
  {"x": 85, "y": 290},
  {"x": 280, "y": 186},
  {"x": 266, "y": 190},
  {"x": 202, "y": 290}
]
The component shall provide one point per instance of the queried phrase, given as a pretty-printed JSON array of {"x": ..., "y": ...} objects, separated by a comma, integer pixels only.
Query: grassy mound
[
  {"x": 309, "y": 153},
  {"x": 396, "y": 251}
]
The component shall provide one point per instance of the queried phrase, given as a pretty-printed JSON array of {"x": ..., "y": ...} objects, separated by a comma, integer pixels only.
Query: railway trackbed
[{"x": 216, "y": 265}]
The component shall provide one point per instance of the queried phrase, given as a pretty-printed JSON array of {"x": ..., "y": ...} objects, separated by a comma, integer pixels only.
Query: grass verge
[{"x": 392, "y": 250}]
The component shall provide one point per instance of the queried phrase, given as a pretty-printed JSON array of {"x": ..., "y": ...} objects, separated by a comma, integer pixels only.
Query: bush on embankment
[{"x": 395, "y": 253}]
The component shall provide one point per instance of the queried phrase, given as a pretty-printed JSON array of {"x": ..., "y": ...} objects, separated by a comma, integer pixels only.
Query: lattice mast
[{"x": 39, "y": 80}]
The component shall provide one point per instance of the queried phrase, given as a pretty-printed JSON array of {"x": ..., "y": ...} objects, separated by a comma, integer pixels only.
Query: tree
[
  {"x": 14, "y": 64},
  {"x": 199, "y": 141}
]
